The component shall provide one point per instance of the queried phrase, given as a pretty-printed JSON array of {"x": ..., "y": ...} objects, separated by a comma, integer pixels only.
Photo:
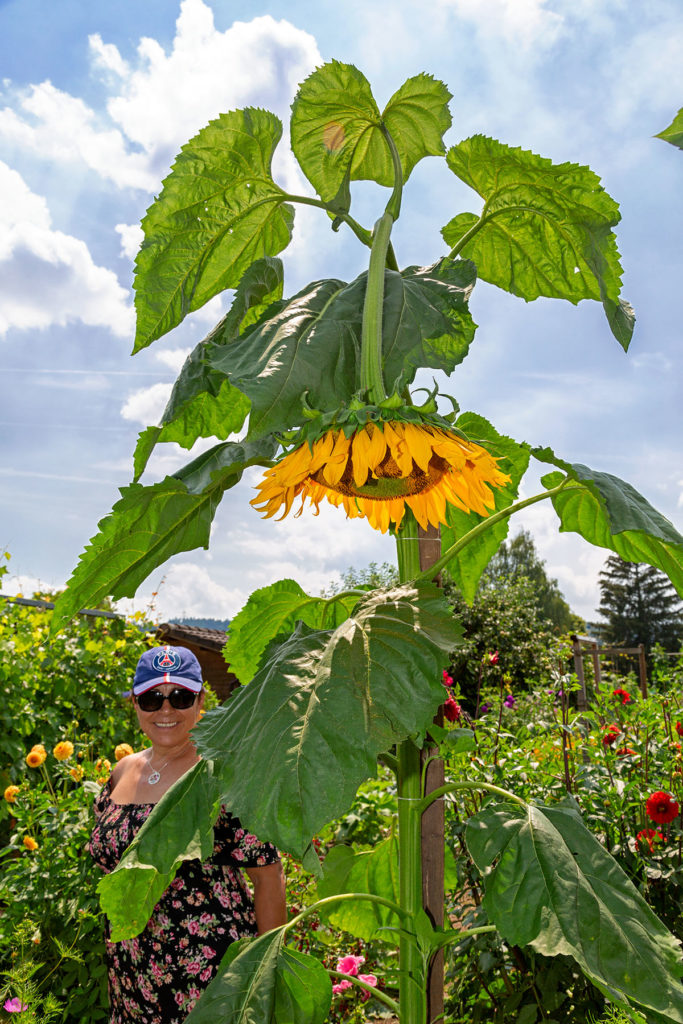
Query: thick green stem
[
  {"x": 361, "y": 233},
  {"x": 412, "y": 996},
  {"x": 371, "y": 379},
  {"x": 486, "y": 524}
]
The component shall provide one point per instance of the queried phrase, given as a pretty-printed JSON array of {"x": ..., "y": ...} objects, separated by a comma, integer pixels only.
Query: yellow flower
[
  {"x": 63, "y": 750},
  {"x": 76, "y": 773},
  {"x": 380, "y": 469},
  {"x": 102, "y": 764},
  {"x": 11, "y": 794},
  {"x": 30, "y": 843},
  {"x": 122, "y": 750},
  {"x": 103, "y": 779},
  {"x": 36, "y": 756}
]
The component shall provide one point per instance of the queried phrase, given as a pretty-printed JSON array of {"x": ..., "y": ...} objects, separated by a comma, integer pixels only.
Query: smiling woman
[{"x": 157, "y": 977}]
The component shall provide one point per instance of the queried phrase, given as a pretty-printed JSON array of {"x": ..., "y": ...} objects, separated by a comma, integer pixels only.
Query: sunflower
[{"x": 380, "y": 469}]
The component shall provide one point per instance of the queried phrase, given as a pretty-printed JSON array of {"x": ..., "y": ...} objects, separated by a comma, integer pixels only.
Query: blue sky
[{"x": 96, "y": 99}]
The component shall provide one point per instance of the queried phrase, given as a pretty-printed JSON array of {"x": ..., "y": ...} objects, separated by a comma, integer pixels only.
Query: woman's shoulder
[{"x": 128, "y": 765}]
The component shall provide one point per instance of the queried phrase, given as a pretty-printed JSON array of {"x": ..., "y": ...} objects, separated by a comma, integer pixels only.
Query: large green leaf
[
  {"x": 336, "y": 127},
  {"x": 550, "y": 884},
  {"x": 469, "y": 563},
  {"x": 674, "y": 133},
  {"x": 149, "y": 524},
  {"x": 546, "y": 229},
  {"x": 610, "y": 513},
  {"x": 265, "y": 982},
  {"x": 275, "y": 610},
  {"x": 375, "y": 871},
  {"x": 312, "y": 344},
  {"x": 180, "y": 828},
  {"x": 297, "y": 742},
  {"x": 203, "y": 403},
  {"x": 218, "y": 212}
]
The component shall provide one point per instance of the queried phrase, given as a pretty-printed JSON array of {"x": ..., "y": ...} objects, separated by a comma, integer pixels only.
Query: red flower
[
  {"x": 649, "y": 836},
  {"x": 493, "y": 658},
  {"x": 446, "y": 679},
  {"x": 610, "y": 735},
  {"x": 452, "y": 710},
  {"x": 626, "y": 697},
  {"x": 679, "y": 728},
  {"x": 624, "y": 751},
  {"x": 661, "y": 807}
]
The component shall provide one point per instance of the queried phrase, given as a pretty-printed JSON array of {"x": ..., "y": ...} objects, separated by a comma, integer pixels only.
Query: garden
[{"x": 365, "y": 712}]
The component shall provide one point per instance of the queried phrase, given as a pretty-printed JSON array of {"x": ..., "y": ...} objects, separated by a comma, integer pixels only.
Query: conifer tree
[{"x": 639, "y": 605}]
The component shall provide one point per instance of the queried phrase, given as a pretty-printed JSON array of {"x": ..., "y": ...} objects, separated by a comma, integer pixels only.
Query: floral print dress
[{"x": 157, "y": 977}]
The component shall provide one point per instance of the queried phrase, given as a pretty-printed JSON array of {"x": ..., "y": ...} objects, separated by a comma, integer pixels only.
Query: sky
[{"x": 95, "y": 102}]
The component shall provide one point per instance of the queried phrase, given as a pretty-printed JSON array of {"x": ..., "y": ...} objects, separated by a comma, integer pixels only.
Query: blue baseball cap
[{"x": 167, "y": 664}]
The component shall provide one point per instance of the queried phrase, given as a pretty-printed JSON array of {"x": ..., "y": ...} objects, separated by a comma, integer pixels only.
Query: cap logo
[{"x": 166, "y": 661}]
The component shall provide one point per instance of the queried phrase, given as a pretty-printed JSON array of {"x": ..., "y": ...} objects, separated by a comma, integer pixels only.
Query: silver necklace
[{"x": 155, "y": 774}]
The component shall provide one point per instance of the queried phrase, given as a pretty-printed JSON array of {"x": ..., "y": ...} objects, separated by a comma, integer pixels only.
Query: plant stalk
[
  {"x": 371, "y": 379},
  {"x": 412, "y": 996}
]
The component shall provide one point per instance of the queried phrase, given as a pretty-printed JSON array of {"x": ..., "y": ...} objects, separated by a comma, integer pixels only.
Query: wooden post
[
  {"x": 433, "y": 832},
  {"x": 596, "y": 666},
  {"x": 642, "y": 665},
  {"x": 581, "y": 700}
]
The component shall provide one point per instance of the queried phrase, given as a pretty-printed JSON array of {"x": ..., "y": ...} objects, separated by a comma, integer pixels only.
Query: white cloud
[
  {"x": 527, "y": 22},
  {"x": 48, "y": 277},
  {"x": 131, "y": 239},
  {"x": 173, "y": 358},
  {"x": 163, "y": 100},
  {"x": 146, "y": 405},
  {"x": 186, "y": 590}
]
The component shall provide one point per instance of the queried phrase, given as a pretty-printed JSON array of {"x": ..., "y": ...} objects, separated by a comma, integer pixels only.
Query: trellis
[{"x": 586, "y": 645}]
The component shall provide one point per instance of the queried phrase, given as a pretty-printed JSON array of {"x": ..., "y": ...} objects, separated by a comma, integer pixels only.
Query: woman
[{"x": 157, "y": 977}]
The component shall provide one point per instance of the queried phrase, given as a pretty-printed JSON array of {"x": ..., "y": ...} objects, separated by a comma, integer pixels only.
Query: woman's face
[{"x": 169, "y": 727}]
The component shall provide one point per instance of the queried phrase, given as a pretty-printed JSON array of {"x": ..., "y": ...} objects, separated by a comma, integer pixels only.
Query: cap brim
[{"x": 151, "y": 684}]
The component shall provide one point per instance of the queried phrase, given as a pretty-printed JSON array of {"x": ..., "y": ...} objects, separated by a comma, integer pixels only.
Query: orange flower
[
  {"x": 122, "y": 750},
  {"x": 11, "y": 794},
  {"x": 36, "y": 757},
  {"x": 30, "y": 843},
  {"x": 76, "y": 773},
  {"x": 103, "y": 765},
  {"x": 380, "y": 470},
  {"x": 63, "y": 750}
]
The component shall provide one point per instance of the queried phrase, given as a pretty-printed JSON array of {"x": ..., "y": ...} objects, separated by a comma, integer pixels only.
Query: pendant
[{"x": 153, "y": 778}]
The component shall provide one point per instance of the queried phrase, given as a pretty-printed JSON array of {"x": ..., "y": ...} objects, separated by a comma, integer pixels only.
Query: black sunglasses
[{"x": 181, "y": 699}]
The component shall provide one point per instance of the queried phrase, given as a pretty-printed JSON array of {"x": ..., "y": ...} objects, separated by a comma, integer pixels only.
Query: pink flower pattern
[{"x": 157, "y": 977}]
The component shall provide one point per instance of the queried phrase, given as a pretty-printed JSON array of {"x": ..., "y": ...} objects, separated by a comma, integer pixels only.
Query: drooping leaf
[
  {"x": 674, "y": 133},
  {"x": 554, "y": 887},
  {"x": 312, "y": 344},
  {"x": 262, "y": 981},
  {"x": 275, "y": 610},
  {"x": 375, "y": 871},
  {"x": 546, "y": 229},
  {"x": 203, "y": 403},
  {"x": 218, "y": 212},
  {"x": 468, "y": 564},
  {"x": 336, "y": 127},
  {"x": 180, "y": 828},
  {"x": 149, "y": 524},
  {"x": 333, "y": 701},
  {"x": 610, "y": 513}
]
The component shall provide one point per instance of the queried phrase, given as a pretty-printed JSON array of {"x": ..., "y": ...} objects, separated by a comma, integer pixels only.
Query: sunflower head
[{"x": 377, "y": 468}]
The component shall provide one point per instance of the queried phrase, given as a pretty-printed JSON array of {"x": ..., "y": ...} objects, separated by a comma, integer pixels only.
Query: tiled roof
[{"x": 210, "y": 639}]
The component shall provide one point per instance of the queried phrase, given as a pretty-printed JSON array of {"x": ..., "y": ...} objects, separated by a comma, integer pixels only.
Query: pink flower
[
  {"x": 350, "y": 964},
  {"x": 452, "y": 710},
  {"x": 16, "y": 1006},
  {"x": 341, "y": 986},
  {"x": 446, "y": 679},
  {"x": 493, "y": 658},
  {"x": 369, "y": 979}
]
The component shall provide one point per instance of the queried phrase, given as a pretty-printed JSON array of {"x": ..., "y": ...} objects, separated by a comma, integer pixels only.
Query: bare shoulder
[{"x": 127, "y": 766}]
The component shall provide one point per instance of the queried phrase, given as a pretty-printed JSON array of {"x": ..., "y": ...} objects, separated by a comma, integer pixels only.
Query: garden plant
[{"x": 322, "y": 386}]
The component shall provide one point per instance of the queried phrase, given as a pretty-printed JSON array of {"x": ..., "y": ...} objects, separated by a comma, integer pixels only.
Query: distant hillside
[{"x": 204, "y": 623}]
